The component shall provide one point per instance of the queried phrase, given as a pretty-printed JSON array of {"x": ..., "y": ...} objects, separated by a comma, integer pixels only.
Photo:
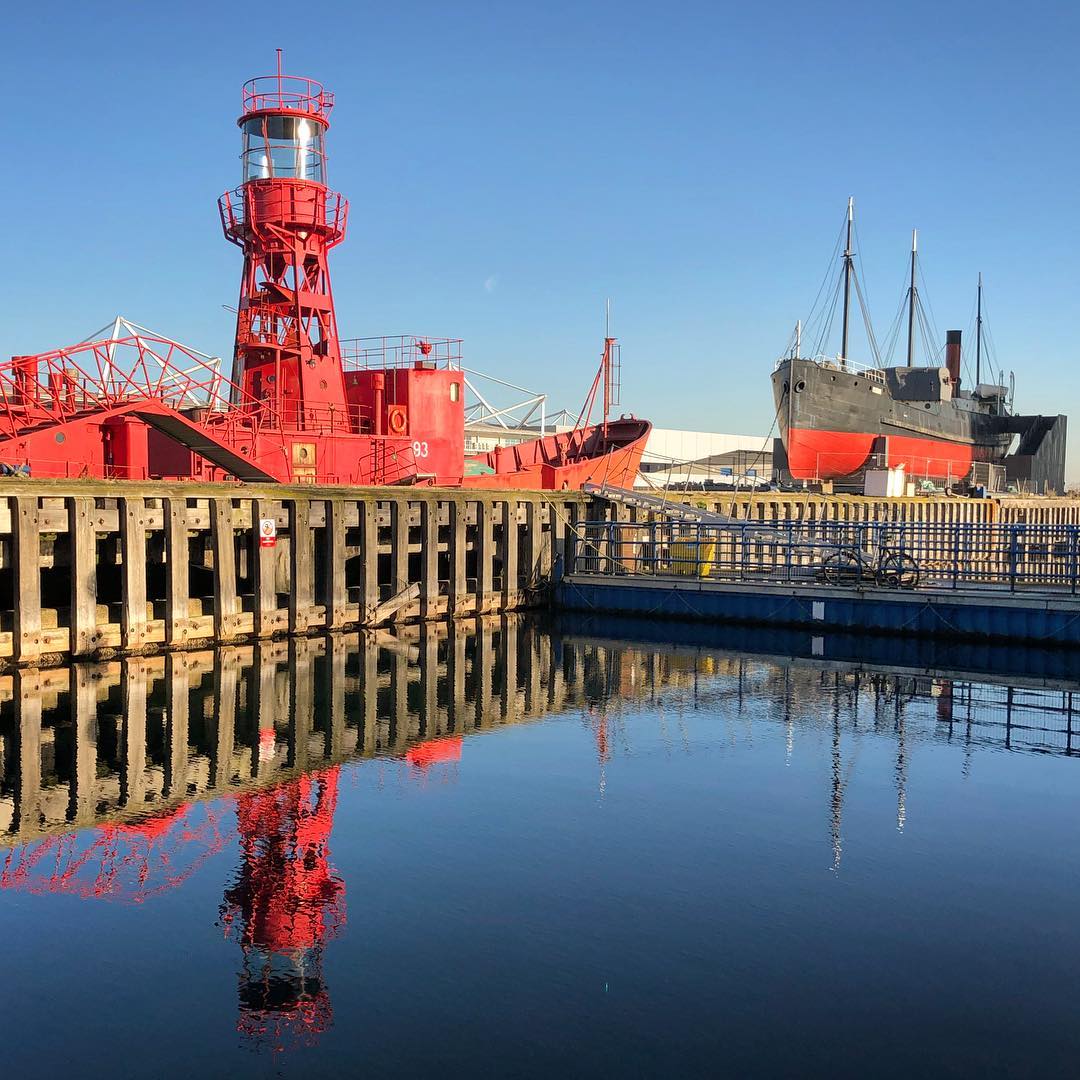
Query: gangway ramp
[
  {"x": 657, "y": 504},
  {"x": 199, "y": 440}
]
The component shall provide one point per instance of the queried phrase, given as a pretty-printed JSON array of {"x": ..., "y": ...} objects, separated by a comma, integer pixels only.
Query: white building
[{"x": 673, "y": 457}]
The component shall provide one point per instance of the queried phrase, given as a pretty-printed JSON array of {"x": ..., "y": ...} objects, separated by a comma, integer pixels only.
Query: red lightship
[{"x": 301, "y": 404}]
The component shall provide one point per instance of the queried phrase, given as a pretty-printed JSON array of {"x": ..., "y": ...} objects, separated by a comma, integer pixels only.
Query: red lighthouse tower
[
  {"x": 287, "y": 356},
  {"x": 388, "y": 411}
]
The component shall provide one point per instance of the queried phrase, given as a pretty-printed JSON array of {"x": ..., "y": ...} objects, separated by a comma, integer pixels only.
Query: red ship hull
[
  {"x": 833, "y": 455},
  {"x": 568, "y": 460}
]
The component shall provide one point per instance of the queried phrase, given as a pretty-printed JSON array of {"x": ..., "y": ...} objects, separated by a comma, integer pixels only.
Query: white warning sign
[{"x": 267, "y": 532}]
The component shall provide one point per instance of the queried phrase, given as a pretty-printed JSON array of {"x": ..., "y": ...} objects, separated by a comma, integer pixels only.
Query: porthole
[
  {"x": 927, "y": 405},
  {"x": 60, "y": 436},
  {"x": 800, "y": 386}
]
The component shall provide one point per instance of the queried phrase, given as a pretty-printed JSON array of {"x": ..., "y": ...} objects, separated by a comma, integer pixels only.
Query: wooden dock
[{"x": 92, "y": 568}]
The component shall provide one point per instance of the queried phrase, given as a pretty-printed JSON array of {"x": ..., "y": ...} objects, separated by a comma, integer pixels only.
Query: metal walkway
[{"x": 657, "y": 504}]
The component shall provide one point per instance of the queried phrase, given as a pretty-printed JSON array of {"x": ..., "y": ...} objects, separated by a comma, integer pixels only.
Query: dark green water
[{"x": 501, "y": 852}]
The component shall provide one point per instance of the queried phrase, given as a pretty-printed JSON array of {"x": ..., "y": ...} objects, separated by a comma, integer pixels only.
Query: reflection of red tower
[
  {"x": 286, "y": 220},
  {"x": 286, "y": 904}
]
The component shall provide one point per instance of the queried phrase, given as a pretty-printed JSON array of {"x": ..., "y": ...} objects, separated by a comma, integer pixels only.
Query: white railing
[{"x": 834, "y": 363}]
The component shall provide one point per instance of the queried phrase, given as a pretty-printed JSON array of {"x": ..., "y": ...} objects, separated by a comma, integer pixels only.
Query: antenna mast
[
  {"x": 912, "y": 297},
  {"x": 848, "y": 268},
  {"x": 978, "y": 337},
  {"x": 607, "y": 360}
]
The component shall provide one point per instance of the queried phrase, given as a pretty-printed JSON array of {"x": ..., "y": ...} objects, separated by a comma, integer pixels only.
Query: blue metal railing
[{"x": 860, "y": 554}]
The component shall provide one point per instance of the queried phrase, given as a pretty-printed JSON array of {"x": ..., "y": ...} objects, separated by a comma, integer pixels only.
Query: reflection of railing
[
  {"x": 401, "y": 351},
  {"x": 1028, "y": 556}
]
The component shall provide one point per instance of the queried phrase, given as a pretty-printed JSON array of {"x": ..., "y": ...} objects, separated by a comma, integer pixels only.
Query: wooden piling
[
  {"x": 177, "y": 572},
  {"x": 458, "y": 585},
  {"x": 133, "y": 553},
  {"x": 509, "y": 554},
  {"x": 367, "y": 520},
  {"x": 26, "y": 553},
  {"x": 83, "y": 547},
  {"x": 301, "y": 565},
  {"x": 226, "y": 599},
  {"x": 429, "y": 559},
  {"x": 336, "y": 599}
]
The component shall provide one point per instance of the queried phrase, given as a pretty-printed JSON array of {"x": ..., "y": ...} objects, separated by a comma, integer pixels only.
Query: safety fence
[{"x": 888, "y": 555}]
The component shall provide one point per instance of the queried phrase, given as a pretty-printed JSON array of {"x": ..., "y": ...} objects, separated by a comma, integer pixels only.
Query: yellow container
[{"x": 690, "y": 557}]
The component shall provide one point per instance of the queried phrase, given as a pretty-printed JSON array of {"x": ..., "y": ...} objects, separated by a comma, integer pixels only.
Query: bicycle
[{"x": 888, "y": 568}]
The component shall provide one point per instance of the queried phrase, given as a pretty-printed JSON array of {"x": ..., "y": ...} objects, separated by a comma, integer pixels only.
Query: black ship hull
[{"x": 836, "y": 422}]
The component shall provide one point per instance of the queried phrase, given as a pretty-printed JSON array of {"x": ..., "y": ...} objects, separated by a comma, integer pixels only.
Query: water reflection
[
  {"x": 119, "y": 780},
  {"x": 286, "y": 904}
]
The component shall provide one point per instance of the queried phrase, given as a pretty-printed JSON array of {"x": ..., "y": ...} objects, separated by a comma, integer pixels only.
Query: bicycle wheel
[
  {"x": 897, "y": 571},
  {"x": 842, "y": 568}
]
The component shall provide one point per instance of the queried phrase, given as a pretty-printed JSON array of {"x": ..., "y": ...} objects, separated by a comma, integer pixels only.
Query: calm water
[{"x": 497, "y": 851}]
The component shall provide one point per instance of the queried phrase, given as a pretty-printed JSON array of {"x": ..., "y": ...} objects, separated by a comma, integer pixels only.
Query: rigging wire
[
  {"x": 864, "y": 303},
  {"x": 826, "y": 330},
  {"x": 924, "y": 298},
  {"x": 897, "y": 323},
  {"x": 969, "y": 336},
  {"x": 864, "y": 307},
  {"x": 815, "y": 316}
]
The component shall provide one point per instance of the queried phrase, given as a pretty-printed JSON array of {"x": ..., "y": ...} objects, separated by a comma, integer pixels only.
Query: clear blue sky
[{"x": 509, "y": 166}]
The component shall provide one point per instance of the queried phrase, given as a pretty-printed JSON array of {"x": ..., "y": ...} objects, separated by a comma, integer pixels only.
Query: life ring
[{"x": 397, "y": 421}]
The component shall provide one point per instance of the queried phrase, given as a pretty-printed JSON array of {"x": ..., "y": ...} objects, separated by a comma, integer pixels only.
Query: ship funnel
[{"x": 952, "y": 356}]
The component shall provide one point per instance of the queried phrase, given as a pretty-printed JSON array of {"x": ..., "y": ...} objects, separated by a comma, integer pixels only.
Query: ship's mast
[
  {"x": 912, "y": 296},
  {"x": 978, "y": 337},
  {"x": 606, "y": 363},
  {"x": 848, "y": 270}
]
